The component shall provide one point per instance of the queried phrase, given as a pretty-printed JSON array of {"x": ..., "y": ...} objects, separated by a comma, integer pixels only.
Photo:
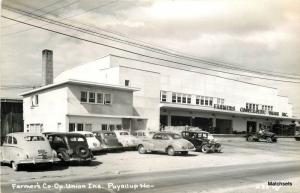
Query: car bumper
[
  {"x": 38, "y": 160},
  {"x": 96, "y": 148},
  {"x": 185, "y": 149}
]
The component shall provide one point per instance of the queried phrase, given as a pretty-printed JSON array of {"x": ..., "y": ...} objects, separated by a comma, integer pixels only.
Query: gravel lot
[{"x": 236, "y": 151}]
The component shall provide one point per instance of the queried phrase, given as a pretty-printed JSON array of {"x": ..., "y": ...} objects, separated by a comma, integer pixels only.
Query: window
[
  {"x": 79, "y": 127},
  {"x": 34, "y": 138},
  {"x": 111, "y": 127},
  {"x": 88, "y": 127},
  {"x": 9, "y": 140},
  {"x": 202, "y": 100},
  {"x": 91, "y": 97},
  {"x": 163, "y": 96},
  {"x": 173, "y": 97},
  {"x": 119, "y": 127},
  {"x": 184, "y": 98},
  {"x": 14, "y": 140},
  {"x": 178, "y": 98},
  {"x": 107, "y": 99},
  {"x": 100, "y": 98},
  {"x": 206, "y": 101},
  {"x": 83, "y": 96},
  {"x": 34, "y": 100},
  {"x": 189, "y": 99},
  {"x": 127, "y": 82},
  {"x": 157, "y": 136},
  {"x": 271, "y": 108},
  {"x": 104, "y": 127},
  {"x": 197, "y": 100},
  {"x": 210, "y": 101},
  {"x": 71, "y": 127}
]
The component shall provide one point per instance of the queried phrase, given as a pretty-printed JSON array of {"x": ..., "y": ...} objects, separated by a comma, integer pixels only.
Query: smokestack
[{"x": 47, "y": 67}]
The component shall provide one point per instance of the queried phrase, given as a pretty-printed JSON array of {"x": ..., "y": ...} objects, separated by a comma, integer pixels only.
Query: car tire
[
  {"x": 141, "y": 149},
  {"x": 205, "y": 149},
  {"x": 250, "y": 138},
  {"x": 82, "y": 151},
  {"x": 15, "y": 166},
  {"x": 269, "y": 140},
  {"x": 171, "y": 151},
  {"x": 62, "y": 154}
]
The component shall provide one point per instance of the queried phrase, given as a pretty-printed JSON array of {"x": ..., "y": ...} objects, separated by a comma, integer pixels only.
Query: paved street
[{"x": 242, "y": 167}]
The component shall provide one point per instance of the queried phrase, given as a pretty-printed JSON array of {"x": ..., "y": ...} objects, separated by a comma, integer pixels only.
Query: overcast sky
[{"x": 256, "y": 34}]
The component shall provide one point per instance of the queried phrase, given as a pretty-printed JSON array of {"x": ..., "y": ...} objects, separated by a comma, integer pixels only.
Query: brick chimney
[{"x": 47, "y": 67}]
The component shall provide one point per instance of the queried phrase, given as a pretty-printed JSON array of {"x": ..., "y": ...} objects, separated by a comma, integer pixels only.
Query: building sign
[
  {"x": 262, "y": 112},
  {"x": 224, "y": 107}
]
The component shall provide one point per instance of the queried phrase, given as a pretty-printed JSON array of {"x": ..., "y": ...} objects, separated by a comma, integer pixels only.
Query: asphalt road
[{"x": 242, "y": 178}]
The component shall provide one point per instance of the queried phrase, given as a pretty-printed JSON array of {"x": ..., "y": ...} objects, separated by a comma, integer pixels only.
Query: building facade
[{"x": 116, "y": 92}]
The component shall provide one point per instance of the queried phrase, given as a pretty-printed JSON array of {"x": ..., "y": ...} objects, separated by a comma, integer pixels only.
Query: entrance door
[
  {"x": 202, "y": 123},
  {"x": 251, "y": 126},
  {"x": 180, "y": 121},
  {"x": 223, "y": 126}
]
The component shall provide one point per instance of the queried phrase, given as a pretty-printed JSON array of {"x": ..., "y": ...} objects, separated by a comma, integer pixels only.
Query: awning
[{"x": 196, "y": 108}]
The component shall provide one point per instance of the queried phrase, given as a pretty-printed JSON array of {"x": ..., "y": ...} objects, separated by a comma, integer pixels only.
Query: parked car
[
  {"x": 26, "y": 148},
  {"x": 70, "y": 146},
  {"x": 93, "y": 142},
  {"x": 263, "y": 135},
  {"x": 168, "y": 142},
  {"x": 107, "y": 139},
  {"x": 202, "y": 140},
  {"x": 126, "y": 139}
]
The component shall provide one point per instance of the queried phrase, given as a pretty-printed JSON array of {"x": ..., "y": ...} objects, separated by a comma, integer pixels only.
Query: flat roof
[
  {"x": 80, "y": 82},
  {"x": 105, "y": 116}
]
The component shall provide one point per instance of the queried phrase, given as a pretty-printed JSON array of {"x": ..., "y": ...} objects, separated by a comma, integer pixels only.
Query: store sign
[
  {"x": 262, "y": 112},
  {"x": 224, "y": 107}
]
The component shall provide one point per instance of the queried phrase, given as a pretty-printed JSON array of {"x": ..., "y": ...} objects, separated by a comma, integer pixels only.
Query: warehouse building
[{"x": 116, "y": 92}]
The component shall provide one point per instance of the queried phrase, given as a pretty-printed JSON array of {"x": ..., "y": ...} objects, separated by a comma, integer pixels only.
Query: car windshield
[
  {"x": 76, "y": 139},
  {"x": 34, "y": 138},
  {"x": 110, "y": 134},
  {"x": 175, "y": 136},
  {"x": 88, "y": 135},
  {"x": 124, "y": 133}
]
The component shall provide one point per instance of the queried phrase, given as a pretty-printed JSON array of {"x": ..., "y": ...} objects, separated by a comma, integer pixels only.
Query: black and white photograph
[{"x": 150, "y": 96}]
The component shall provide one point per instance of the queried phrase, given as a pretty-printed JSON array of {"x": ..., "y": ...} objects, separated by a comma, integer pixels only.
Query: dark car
[
  {"x": 70, "y": 146},
  {"x": 262, "y": 135},
  {"x": 202, "y": 140},
  {"x": 108, "y": 139}
]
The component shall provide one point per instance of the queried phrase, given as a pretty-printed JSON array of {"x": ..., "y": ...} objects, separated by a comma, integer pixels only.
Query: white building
[{"x": 117, "y": 92}]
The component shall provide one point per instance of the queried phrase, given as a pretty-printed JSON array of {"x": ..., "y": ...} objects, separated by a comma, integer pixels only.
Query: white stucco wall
[{"x": 50, "y": 111}]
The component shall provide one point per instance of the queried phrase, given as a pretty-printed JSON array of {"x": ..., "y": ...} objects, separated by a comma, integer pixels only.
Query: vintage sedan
[
  {"x": 92, "y": 141},
  {"x": 70, "y": 146},
  {"x": 126, "y": 139},
  {"x": 26, "y": 148},
  {"x": 262, "y": 135},
  {"x": 168, "y": 142},
  {"x": 107, "y": 139},
  {"x": 202, "y": 140}
]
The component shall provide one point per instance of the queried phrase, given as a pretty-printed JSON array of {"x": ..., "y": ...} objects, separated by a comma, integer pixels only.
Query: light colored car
[
  {"x": 168, "y": 142},
  {"x": 108, "y": 139},
  {"x": 26, "y": 148},
  {"x": 93, "y": 142},
  {"x": 126, "y": 139}
]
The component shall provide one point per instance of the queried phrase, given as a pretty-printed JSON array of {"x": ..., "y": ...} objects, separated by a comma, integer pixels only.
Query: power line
[
  {"x": 51, "y": 11},
  {"x": 160, "y": 51},
  {"x": 143, "y": 55},
  {"x": 38, "y": 9}
]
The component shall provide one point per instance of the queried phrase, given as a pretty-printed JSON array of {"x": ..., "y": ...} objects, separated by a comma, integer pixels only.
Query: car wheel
[
  {"x": 15, "y": 166},
  {"x": 184, "y": 152},
  {"x": 141, "y": 149},
  {"x": 171, "y": 151},
  {"x": 269, "y": 140},
  {"x": 62, "y": 154},
  {"x": 205, "y": 149},
  {"x": 82, "y": 151},
  {"x": 250, "y": 138}
]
